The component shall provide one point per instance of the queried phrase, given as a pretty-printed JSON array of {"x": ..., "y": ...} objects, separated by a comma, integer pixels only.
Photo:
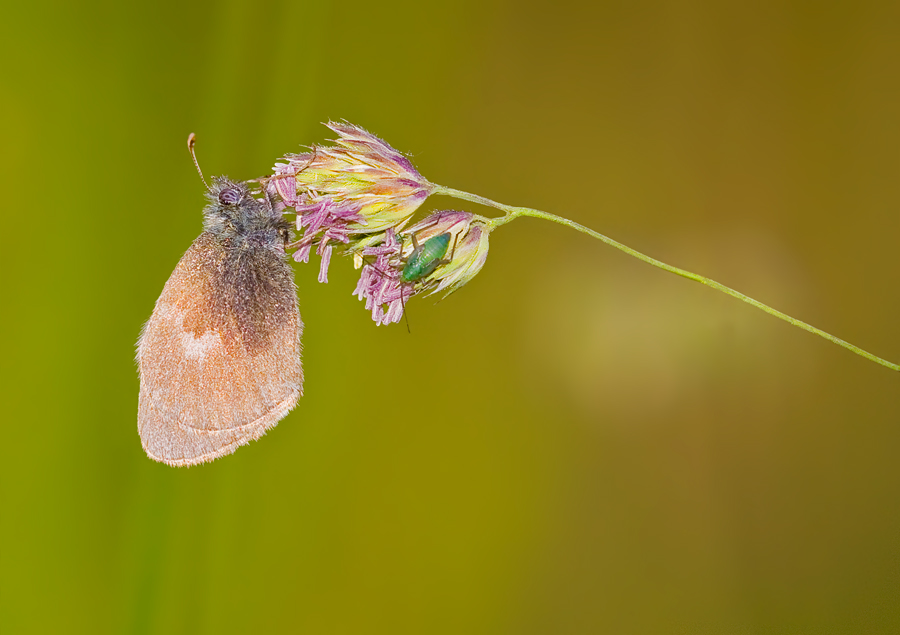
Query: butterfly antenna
[{"x": 192, "y": 139}]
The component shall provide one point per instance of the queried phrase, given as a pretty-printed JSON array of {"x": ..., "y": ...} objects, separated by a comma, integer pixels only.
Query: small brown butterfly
[{"x": 219, "y": 358}]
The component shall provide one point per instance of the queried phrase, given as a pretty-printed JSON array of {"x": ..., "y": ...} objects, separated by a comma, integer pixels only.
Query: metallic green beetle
[{"x": 425, "y": 258}]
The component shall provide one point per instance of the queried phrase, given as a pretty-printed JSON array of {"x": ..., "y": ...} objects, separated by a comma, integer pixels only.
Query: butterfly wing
[{"x": 219, "y": 359}]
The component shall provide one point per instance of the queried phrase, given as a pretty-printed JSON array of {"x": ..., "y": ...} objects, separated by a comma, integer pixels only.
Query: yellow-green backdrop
[{"x": 575, "y": 442}]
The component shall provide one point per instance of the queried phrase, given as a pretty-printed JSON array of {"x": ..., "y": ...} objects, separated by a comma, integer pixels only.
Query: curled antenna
[{"x": 192, "y": 139}]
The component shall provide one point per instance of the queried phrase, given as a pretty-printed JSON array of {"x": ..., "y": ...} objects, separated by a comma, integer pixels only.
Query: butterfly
[{"x": 219, "y": 358}]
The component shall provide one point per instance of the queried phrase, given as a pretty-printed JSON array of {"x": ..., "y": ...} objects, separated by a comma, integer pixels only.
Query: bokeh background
[{"x": 575, "y": 442}]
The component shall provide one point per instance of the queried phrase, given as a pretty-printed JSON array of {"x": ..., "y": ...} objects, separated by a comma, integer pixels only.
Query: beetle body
[{"x": 425, "y": 258}]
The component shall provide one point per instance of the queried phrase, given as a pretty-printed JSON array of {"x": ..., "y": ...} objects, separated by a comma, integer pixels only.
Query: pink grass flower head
[
  {"x": 441, "y": 253},
  {"x": 359, "y": 186}
]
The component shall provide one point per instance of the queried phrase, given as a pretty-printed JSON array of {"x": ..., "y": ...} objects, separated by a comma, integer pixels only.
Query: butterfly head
[{"x": 234, "y": 213}]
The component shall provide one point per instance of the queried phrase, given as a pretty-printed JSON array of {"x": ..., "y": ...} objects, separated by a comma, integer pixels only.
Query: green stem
[{"x": 511, "y": 213}]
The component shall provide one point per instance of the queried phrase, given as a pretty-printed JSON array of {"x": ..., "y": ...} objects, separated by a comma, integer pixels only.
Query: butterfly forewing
[{"x": 219, "y": 358}]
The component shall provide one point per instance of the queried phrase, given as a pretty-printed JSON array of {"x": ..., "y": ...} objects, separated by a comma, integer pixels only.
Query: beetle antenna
[
  {"x": 402, "y": 301},
  {"x": 403, "y": 304}
]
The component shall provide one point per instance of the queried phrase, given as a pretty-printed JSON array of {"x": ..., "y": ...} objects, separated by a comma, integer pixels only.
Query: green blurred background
[{"x": 575, "y": 442}]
